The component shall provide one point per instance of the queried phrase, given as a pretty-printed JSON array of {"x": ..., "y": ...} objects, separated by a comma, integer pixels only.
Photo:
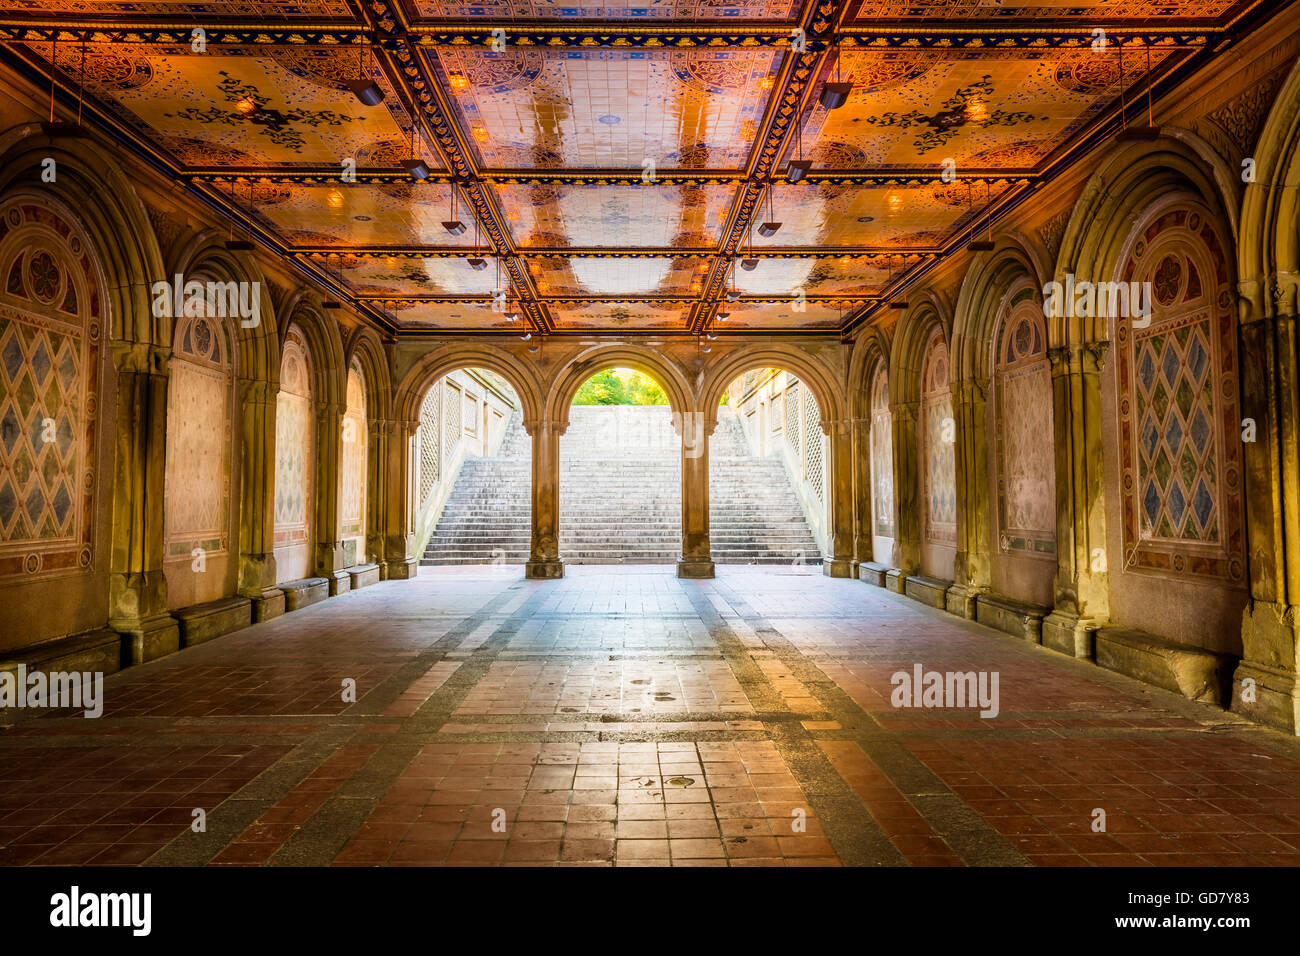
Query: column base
[
  {"x": 268, "y": 603},
  {"x": 837, "y": 567},
  {"x": 698, "y": 568},
  {"x": 403, "y": 570},
  {"x": 544, "y": 570},
  {"x": 1066, "y": 632},
  {"x": 960, "y": 600},
  {"x": 149, "y": 639},
  {"x": 1269, "y": 695},
  {"x": 340, "y": 581}
]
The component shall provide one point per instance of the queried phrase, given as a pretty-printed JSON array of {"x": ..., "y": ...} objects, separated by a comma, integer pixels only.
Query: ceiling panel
[
  {"x": 659, "y": 215},
  {"x": 571, "y": 10},
  {"x": 980, "y": 108},
  {"x": 943, "y": 12},
  {"x": 608, "y": 109},
  {"x": 420, "y": 316},
  {"x": 224, "y": 10},
  {"x": 400, "y": 276},
  {"x": 242, "y": 106},
  {"x": 620, "y": 315},
  {"x": 618, "y": 276},
  {"x": 391, "y": 214},
  {"x": 770, "y": 316},
  {"x": 844, "y": 275},
  {"x": 821, "y": 214}
]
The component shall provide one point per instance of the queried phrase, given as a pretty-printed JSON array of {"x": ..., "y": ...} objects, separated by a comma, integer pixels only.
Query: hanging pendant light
[
  {"x": 416, "y": 166},
  {"x": 797, "y": 169},
  {"x": 978, "y": 245},
  {"x": 54, "y": 129},
  {"x": 240, "y": 245},
  {"x": 476, "y": 262},
  {"x": 453, "y": 225},
  {"x": 364, "y": 88},
  {"x": 769, "y": 228},
  {"x": 834, "y": 95},
  {"x": 1136, "y": 134}
]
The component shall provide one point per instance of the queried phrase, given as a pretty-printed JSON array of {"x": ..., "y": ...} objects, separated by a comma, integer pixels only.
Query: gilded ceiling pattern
[{"x": 612, "y": 163}]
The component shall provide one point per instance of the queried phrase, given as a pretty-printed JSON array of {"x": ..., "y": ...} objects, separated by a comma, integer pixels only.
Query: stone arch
[
  {"x": 326, "y": 345},
  {"x": 1268, "y": 247},
  {"x": 297, "y": 453},
  {"x": 364, "y": 346},
  {"x": 827, "y": 384},
  {"x": 910, "y": 340},
  {"x": 448, "y": 358},
  {"x": 982, "y": 294},
  {"x": 869, "y": 350},
  {"x": 258, "y": 346},
  {"x": 1135, "y": 178},
  {"x": 109, "y": 210},
  {"x": 585, "y": 364}
]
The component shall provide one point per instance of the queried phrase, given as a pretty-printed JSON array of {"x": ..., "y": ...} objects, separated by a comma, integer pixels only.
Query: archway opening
[
  {"x": 620, "y": 473},
  {"x": 472, "y": 476},
  {"x": 769, "y": 500}
]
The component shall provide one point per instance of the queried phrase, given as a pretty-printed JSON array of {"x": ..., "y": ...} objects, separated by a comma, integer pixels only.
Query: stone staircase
[{"x": 620, "y": 497}]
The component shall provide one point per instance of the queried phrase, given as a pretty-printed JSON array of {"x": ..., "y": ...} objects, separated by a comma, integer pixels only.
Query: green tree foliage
[{"x": 620, "y": 386}]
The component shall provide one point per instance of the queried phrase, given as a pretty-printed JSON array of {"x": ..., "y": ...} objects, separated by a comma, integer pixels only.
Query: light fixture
[
  {"x": 797, "y": 169},
  {"x": 365, "y": 90},
  {"x": 240, "y": 245},
  {"x": 979, "y": 245},
  {"x": 896, "y": 303},
  {"x": 768, "y": 229},
  {"x": 416, "y": 167},
  {"x": 711, "y": 336},
  {"x": 478, "y": 265},
  {"x": 834, "y": 95},
  {"x": 748, "y": 264},
  {"x": 54, "y": 130},
  {"x": 453, "y": 225},
  {"x": 332, "y": 303},
  {"x": 722, "y": 316},
  {"x": 1135, "y": 134}
]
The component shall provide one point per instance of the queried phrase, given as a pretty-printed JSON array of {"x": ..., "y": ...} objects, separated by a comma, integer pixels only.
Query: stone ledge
[
  {"x": 1194, "y": 672},
  {"x": 872, "y": 573},
  {"x": 363, "y": 575},
  {"x": 928, "y": 591},
  {"x": 896, "y": 580},
  {"x": 203, "y": 622},
  {"x": 1014, "y": 617},
  {"x": 95, "y": 651},
  {"x": 304, "y": 593},
  {"x": 144, "y": 641},
  {"x": 340, "y": 582}
]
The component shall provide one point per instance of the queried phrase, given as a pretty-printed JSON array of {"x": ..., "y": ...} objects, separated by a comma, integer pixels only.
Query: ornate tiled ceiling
[{"x": 612, "y": 164}]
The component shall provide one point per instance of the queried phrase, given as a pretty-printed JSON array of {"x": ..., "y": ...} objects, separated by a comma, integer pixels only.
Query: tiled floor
[{"x": 623, "y": 717}]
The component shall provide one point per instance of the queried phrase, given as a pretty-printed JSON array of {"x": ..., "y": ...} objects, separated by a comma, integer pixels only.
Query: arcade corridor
[{"x": 624, "y": 716}]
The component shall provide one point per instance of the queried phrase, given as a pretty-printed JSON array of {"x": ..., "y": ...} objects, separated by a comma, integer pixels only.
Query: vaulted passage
[
  {"x": 625, "y": 716},
  {"x": 737, "y": 431}
]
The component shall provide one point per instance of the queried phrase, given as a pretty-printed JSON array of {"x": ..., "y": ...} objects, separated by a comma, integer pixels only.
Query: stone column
[
  {"x": 544, "y": 551},
  {"x": 1266, "y": 685},
  {"x": 137, "y": 606},
  {"x": 863, "y": 507},
  {"x": 907, "y": 494},
  {"x": 972, "y": 574},
  {"x": 378, "y": 491},
  {"x": 1082, "y": 601},
  {"x": 697, "y": 554},
  {"x": 839, "y": 562},
  {"x": 399, "y": 513},
  {"x": 257, "y": 499},
  {"x": 329, "y": 561}
]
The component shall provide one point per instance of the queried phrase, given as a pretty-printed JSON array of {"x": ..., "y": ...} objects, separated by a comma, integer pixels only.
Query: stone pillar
[
  {"x": 839, "y": 562},
  {"x": 137, "y": 606},
  {"x": 1266, "y": 685},
  {"x": 1082, "y": 602},
  {"x": 544, "y": 551},
  {"x": 257, "y": 499},
  {"x": 863, "y": 506},
  {"x": 378, "y": 491},
  {"x": 907, "y": 494},
  {"x": 329, "y": 561},
  {"x": 697, "y": 555},
  {"x": 399, "y": 513},
  {"x": 972, "y": 574}
]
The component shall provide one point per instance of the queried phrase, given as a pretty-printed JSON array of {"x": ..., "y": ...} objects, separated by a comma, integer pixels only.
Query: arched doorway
[
  {"x": 472, "y": 473},
  {"x": 769, "y": 500},
  {"x": 620, "y": 473}
]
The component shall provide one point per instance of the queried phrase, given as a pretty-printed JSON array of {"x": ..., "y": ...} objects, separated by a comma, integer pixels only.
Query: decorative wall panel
[
  {"x": 938, "y": 468},
  {"x": 1026, "y": 462},
  {"x": 882, "y": 456},
  {"x": 294, "y": 460},
  {"x": 353, "y": 499},
  {"x": 1180, "y": 458},
  {"x": 51, "y": 334}
]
